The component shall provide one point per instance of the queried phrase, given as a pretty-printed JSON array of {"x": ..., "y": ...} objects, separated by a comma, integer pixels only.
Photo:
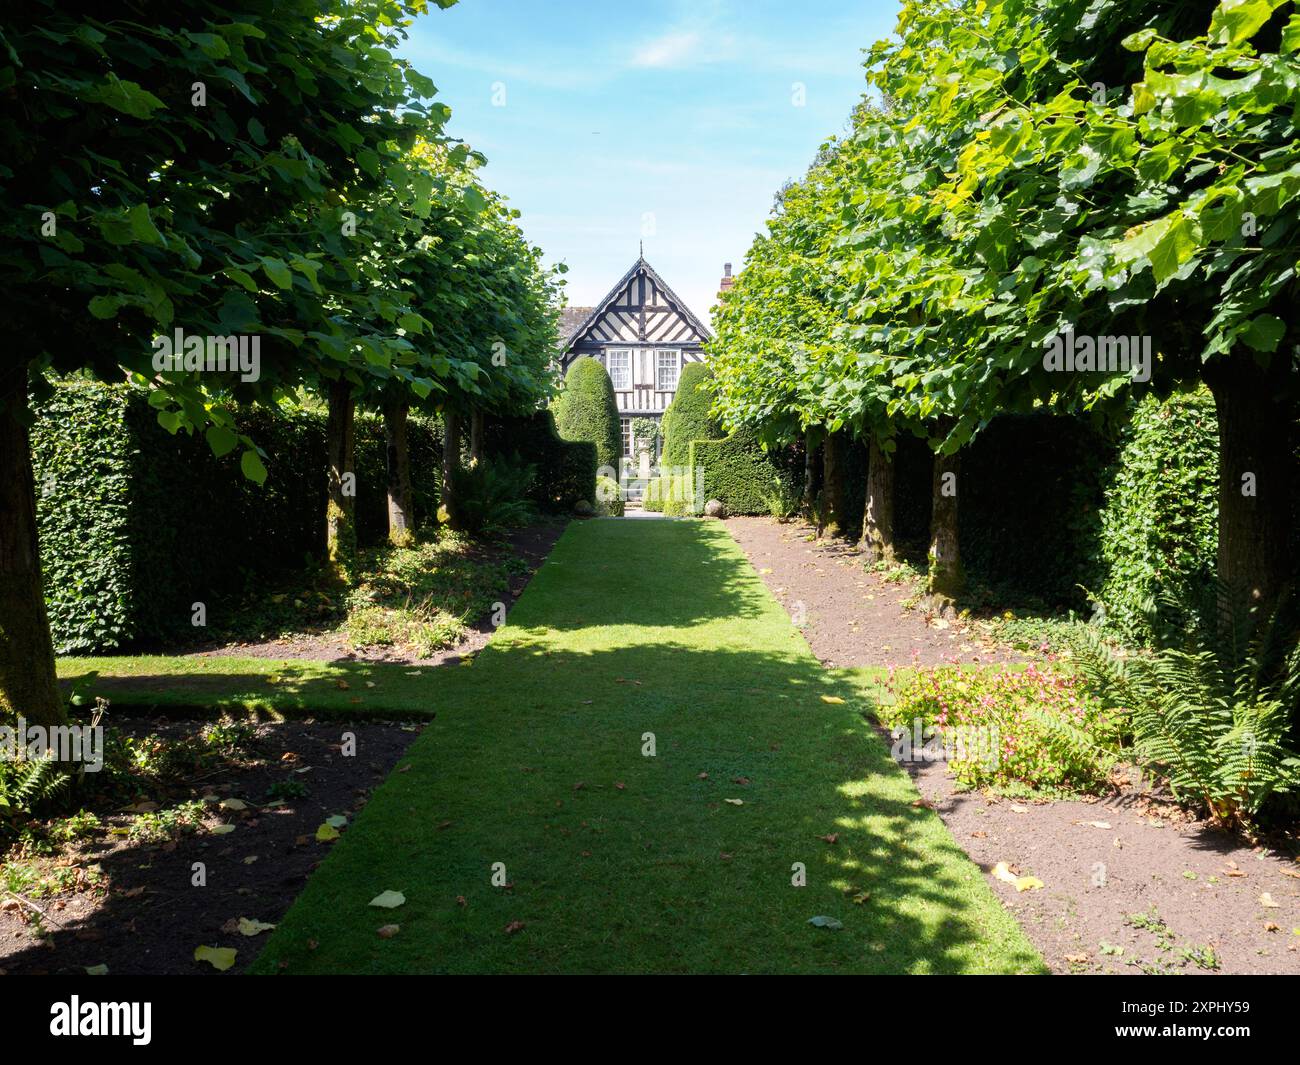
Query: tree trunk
[
  {"x": 809, "y": 473},
  {"x": 1255, "y": 474},
  {"x": 450, "y": 461},
  {"x": 878, "y": 515},
  {"x": 947, "y": 579},
  {"x": 340, "y": 524},
  {"x": 400, "y": 516},
  {"x": 28, "y": 685},
  {"x": 475, "y": 437},
  {"x": 832, "y": 485}
]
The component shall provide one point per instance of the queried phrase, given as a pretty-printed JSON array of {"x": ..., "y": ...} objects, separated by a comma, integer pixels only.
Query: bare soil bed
[
  {"x": 132, "y": 904},
  {"x": 1130, "y": 882},
  {"x": 849, "y": 616}
]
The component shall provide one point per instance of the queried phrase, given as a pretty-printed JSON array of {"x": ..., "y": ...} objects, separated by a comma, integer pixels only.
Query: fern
[
  {"x": 1212, "y": 706},
  {"x": 29, "y": 784}
]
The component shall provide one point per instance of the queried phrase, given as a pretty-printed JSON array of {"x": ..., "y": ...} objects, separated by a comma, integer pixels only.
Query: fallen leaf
[
  {"x": 252, "y": 927},
  {"x": 735, "y": 802},
  {"x": 1094, "y": 824},
  {"x": 327, "y": 833},
  {"x": 97, "y": 970},
  {"x": 832, "y": 837},
  {"x": 234, "y": 804},
  {"x": 833, "y": 699},
  {"x": 822, "y": 921},
  {"x": 222, "y": 830},
  {"x": 1002, "y": 871},
  {"x": 220, "y": 958},
  {"x": 389, "y": 930},
  {"x": 1267, "y": 900},
  {"x": 389, "y": 900},
  {"x": 337, "y": 821},
  {"x": 513, "y": 927}
]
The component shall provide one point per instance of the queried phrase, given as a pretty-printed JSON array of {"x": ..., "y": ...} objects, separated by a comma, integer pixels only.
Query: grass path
[{"x": 625, "y": 863}]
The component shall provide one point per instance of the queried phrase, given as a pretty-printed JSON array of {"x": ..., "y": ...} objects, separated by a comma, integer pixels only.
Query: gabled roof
[
  {"x": 640, "y": 266},
  {"x": 571, "y": 318}
]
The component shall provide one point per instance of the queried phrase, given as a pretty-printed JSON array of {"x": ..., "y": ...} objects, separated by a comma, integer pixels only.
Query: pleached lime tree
[
  {"x": 188, "y": 183},
  {"x": 1038, "y": 172}
]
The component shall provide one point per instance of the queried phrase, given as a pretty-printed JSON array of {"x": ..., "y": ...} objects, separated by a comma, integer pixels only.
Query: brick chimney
[{"x": 727, "y": 280}]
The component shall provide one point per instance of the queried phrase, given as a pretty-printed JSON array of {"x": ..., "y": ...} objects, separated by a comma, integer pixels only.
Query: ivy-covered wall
[{"x": 1159, "y": 522}]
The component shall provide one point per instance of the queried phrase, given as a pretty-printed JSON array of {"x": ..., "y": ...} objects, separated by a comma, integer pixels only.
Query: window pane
[
  {"x": 666, "y": 377},
  {"x": 619, "y": 368}
]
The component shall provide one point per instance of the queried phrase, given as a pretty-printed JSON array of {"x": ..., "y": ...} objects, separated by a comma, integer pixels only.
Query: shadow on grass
[{"x": 625, "y": 863}]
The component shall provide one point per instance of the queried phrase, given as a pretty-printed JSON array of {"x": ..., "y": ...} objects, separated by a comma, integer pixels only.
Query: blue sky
[{"x": 668, "y": 121}]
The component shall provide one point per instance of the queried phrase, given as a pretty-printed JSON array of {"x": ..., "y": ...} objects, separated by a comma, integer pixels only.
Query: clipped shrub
[
  {"x": 587, "y": 410},
  {"x": 1159, "y": 523},
  {"x": 609, "y": 502},
  {"x": 738, "y": 471},
  {"x": 687, "y": 417},
  {"x": 1029, "y": 729},
  {"x": 136, "y": 525},
  {"x": 564, "y": 471}
]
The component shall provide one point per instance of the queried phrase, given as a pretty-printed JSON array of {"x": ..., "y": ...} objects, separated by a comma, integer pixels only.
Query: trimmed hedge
[
  {"x": 687, "y": 417},
  {"x": 1030, "y": 489},
  {"x": 136, "y": 525},
  {"x": 1159, "y": 521},
  {"x": 738, "y": 471},
  {"x": 587, "y": 410},
  {"x": 565, "y": 469}
]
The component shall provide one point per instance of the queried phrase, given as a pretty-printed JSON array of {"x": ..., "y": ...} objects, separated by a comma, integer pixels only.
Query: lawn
[{"x": 619, "y": 862}]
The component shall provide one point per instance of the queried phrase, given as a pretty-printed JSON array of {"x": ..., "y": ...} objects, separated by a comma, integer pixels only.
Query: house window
[
  {"x": 619, "y": 364},
  {"x": 666, "y": 366},
  {"x": 626, "y": 424}
]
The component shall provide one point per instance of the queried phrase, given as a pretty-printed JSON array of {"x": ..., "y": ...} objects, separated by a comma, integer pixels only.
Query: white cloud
[{"x": 670, "y": 50}]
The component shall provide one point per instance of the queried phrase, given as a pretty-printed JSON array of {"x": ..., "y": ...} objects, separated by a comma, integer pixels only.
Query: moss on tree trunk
[
  {"x": 28, "y": 683},
  {"x": 340, "y": 524},
  {"x": 450, "y": 462},
  {"x": 947, "y": 579},
  {"x": 878, "y": 514},
  {"x": 832, "y": 485},
  {"x": 400, "y": 519}
]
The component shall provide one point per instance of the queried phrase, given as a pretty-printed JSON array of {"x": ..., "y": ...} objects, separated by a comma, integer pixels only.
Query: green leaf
[
  {"x": 251, "y": 465},
  {"x": 221, "y": 440},
  {"x": 1264, "y": 332},
  {"x": 142, "y": 227},
  {"x": 1235, "y": 21},
  {"x": 389, "y": 900},
  {"x": 277, "y": 270}
]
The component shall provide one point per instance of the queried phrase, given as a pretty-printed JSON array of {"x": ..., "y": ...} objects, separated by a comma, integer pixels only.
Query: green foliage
[
  {"x": 738, "y": 471},
  {"x": 1213, "y": 707},
  {"x": 1005, "y": 728},
  {"x": 687, "y": 418},
  {"x": 491, "y": 497},
  {"x": 587, "y": 410},
  {"x": 565, "y": 471},
  {"x": 609, "y": 502},
  {"x": 1158, "y": 525},
  {"x": 136, "y": 524}
]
